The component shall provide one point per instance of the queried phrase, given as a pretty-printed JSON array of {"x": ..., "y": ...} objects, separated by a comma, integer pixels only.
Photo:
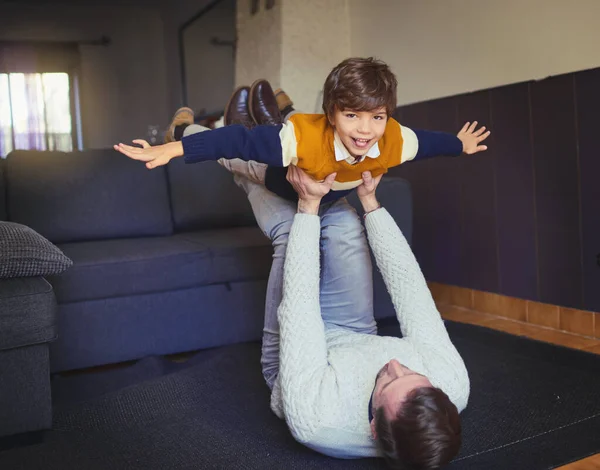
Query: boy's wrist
[
  {"x": 175, "y": 149},
  {"x": 462, "y": 145}
]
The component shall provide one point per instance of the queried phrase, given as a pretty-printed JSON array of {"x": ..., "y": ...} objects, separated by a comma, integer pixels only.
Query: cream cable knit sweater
[{"x": 326, "y": 376}]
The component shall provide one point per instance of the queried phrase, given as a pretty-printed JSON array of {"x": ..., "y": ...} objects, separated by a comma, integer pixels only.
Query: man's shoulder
[{"x": 343, "y": 443}]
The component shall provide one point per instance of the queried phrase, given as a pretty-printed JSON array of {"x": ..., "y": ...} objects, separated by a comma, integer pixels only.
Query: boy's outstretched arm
[
  {"x": 426, "y": 144},
  {"x": 153, "y": 156},
  {"x": 263, "y": 144}
]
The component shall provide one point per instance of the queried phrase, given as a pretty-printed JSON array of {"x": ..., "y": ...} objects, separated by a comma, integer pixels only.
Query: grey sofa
[{"x": 164, "y": 261}]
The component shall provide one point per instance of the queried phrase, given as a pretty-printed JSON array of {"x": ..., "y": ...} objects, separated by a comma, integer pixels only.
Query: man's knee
[{"x": 279, "y": 234}]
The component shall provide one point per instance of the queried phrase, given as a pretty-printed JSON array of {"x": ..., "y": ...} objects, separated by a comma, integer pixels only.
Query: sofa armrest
[
  {"x": 27, "y": 312},
  {"x": 27, "y": 324},
  {"x": 395, "y": 195}
]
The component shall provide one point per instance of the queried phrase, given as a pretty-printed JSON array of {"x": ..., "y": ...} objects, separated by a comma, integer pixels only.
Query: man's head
[
  {"x": 358, "y": 98},
  {"x": 416, "y": 425}
]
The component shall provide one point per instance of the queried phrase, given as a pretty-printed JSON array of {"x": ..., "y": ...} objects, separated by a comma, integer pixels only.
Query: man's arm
[
  {"x": 419, "y": 319},
  {"x": 303, "y": 365},
  {"x": 420, "y": 144}
]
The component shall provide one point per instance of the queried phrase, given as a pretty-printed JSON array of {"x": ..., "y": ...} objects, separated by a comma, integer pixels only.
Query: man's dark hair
[
  {"x": 425, "y": 433},
  {"x": 360, "y": 84}
]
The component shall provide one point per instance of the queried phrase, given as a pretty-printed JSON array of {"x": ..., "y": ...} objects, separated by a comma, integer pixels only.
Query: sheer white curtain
[{"x": 35, "y": 98}]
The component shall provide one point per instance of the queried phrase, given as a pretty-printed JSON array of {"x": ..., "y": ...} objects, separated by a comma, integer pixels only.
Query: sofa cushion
[
  {"x": 238, "y": 254},
  {"x": 90, "y": 195},
  {"x": 25, "y": 253},
  {"x": 204, "y": 195},
  {"x": 112, "y": 268},
  {"x": 2, "y": 191}
]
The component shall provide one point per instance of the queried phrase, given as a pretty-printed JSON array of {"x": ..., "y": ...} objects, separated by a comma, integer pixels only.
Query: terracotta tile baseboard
[{"x": 550, "y": 316}]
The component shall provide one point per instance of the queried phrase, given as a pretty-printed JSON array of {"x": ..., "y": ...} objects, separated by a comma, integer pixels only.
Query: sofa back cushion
[
  {"x": 204, "y": 195},
  {"x": 89, "y": 195}
]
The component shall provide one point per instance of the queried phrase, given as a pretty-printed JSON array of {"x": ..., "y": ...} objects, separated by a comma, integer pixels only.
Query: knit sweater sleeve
[
  {"x": 419, "y": 319},
  {"x": 420, "y": 144},
  {"x": 304, "y": 372},
  {"x": 273, "y": 145}
]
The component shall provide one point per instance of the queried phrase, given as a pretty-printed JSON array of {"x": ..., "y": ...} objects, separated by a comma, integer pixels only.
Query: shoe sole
[
  {"x": 288, "y": 101},
  {"x": 169, "y": 134}
]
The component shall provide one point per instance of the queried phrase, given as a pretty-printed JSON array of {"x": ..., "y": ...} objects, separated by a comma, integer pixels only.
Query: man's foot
[
  {"x": 182, "y": 117},
  {"x": 236, "y": 110},
  {"x": 263, "y": 104},
  {"x": 284, "y": 103}
]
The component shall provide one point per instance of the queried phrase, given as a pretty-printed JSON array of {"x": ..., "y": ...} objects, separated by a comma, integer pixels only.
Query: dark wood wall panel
[
  {"x": 587, "y": 91},
  {"x": 445, "y": 196},
  {"x": 415, "y": 117},
  {"x": 517, "y": 254},
  {"x": 556, "y": 191},
  {"x": 479, "y": 230},
  {"x": 522, "y": 219}
]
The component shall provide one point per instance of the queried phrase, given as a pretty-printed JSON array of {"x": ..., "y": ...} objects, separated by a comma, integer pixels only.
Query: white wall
[
  {"x": 315, "y": 38},
  {"x": 445, "y": 47},
  {"x": 259, "y": 44},
  {"x": 122, "y": 85},
  {"x": 294, "y": 46}
]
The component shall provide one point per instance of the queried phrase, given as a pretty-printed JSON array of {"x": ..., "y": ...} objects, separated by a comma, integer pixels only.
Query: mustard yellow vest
[{"x": 316, "y": 151}]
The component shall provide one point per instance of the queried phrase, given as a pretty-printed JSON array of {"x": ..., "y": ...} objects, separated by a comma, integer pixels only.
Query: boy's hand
[
  {"x": 310, "y": 192},
  {"x": 366, "y": 191},
  {"x": 153, "y": 156},
  {"x": 471, "y": 138}
]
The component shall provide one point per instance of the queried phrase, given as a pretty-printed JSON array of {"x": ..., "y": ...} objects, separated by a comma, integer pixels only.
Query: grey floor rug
[{"x": 533, "y": 406}]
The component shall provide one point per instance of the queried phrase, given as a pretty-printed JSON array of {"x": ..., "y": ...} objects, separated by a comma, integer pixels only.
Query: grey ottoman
[{"x": 27, "y": 325}]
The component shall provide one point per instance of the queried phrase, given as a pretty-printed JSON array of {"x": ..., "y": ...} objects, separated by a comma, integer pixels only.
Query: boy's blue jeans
[{"x": 346, "y": 271}]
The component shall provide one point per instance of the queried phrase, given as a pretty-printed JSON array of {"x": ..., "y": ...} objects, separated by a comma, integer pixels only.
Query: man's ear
[{"x": 373, "y": 430}]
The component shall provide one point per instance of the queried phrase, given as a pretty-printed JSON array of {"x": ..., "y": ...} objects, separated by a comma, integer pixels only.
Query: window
[{"x": 35, "y": 112}]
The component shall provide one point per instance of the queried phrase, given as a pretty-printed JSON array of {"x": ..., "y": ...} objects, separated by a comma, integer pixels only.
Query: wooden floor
[{"x": 535, "y": 332}]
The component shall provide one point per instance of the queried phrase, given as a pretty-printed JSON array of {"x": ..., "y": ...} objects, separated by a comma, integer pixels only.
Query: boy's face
[{"x": 359, "y": 130}]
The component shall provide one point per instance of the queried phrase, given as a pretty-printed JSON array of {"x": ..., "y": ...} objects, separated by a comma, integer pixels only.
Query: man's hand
[
  {"x": 366, "y": 191},
  {"x": 471, "y": 138},
  {"x": 310, "y": 192},
  {"x": 153, "y": 156}
]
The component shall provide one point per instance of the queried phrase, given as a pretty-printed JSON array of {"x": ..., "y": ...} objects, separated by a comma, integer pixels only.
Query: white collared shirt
[{"x": 341, "y": 152}]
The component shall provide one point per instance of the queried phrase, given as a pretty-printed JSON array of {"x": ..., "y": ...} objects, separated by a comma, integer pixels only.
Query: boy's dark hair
[
  {"x": 425, "y": 434},
  {"x": 360, "y": 84}
]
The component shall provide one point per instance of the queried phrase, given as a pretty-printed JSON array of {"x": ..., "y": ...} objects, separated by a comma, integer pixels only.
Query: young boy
[{"x": 355, "y": 135}]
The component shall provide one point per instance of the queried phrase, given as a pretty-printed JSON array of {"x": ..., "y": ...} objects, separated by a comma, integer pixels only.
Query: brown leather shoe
[
  {"x": 263, "y": 104},
  {"x": 236, "y": 110}
]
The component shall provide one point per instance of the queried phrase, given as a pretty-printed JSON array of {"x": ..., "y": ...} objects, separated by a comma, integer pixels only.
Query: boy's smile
[{"x": 359, "y": 130}]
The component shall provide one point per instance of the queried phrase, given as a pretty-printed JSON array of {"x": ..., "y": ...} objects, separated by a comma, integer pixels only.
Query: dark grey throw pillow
[{"x": 25, "y": 253}]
